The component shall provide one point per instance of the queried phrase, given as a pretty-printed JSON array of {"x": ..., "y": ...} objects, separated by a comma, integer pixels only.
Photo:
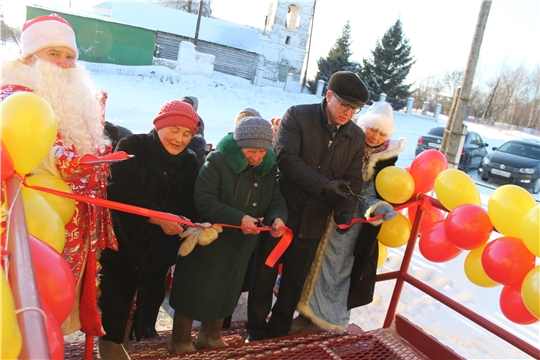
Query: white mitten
[
  {"x": 191, "y": 237},
  {"x": 210, "y": 234},
  {"x": 196, "y": 235}
]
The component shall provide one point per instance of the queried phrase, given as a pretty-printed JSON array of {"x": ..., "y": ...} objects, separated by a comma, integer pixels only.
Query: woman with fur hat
[
  {"x": 236, "y": 186},
  {"x": 343, "y": 273},
  {"x": 160, "y": 176}
]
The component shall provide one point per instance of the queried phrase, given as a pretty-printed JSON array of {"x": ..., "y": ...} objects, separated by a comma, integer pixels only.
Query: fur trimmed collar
[
  {"x": 395, "y": 147},
  {"x": 236, "y": 160}
]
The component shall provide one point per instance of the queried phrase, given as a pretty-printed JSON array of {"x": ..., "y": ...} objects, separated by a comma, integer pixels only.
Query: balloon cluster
[
  {"x": 28, "y": 128},
  {"x": 398, "y": 185},
  {"x": 508, "y": 260}
]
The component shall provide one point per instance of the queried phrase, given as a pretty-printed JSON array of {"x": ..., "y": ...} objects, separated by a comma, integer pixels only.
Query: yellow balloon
[
  {"x": 28, "y": 129},
  {"x": 383, "y": 255},
  {"x": 394, "y": 184},
  {"x": 43, "y": 222},
  {"x": 530, "y": 291},
  {"x": 454, "y": 188},
  {"x": 396, "y": 232},
  {"x": 507, "y": 206},
  {"x": 63, "y": 207},
  {"x": 10, "y": 337},
  {"x": 474, "y": 270},
  {"x": 530, "y": 230}
]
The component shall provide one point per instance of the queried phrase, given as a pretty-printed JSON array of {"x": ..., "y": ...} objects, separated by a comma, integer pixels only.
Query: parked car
[
  {"x": 474, "y": 148},
  {"x": 514, "y": 162}
]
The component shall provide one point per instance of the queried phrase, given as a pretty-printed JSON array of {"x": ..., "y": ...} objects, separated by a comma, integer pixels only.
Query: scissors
[
  {"x": 260, "y": 224},
  {"x": 358, "y": 198}
]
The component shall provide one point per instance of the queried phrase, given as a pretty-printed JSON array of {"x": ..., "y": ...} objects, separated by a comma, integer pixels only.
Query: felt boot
[
  {"x": 298, "y": 324},
  {"x": 210, "y": 336},
  {"x": 181, "y": 334},
  {"x": 109, "y": 350}
]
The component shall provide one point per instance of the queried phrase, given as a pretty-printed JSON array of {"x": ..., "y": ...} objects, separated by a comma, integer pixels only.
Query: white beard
[{"x": 71, "y": 94}]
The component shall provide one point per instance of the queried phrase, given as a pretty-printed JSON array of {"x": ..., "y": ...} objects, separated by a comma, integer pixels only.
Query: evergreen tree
[
  {"x": 337, "y": 60},
  {"x": 390, "y": 64}
]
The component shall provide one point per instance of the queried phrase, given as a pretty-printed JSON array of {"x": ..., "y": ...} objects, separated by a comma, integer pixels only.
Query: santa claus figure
[{"x": 48, "y": 67}]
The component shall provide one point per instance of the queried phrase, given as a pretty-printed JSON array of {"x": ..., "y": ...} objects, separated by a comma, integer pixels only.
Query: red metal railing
[
  {"x": 32, "y": 322},
  {"x": 402, "y": 276}
]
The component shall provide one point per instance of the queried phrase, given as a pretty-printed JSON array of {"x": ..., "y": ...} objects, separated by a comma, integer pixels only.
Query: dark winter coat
[
  {"x": 208, "y": 281},
  {"x": 308, "y": 158},
  {"x": 152, "y": 179}
]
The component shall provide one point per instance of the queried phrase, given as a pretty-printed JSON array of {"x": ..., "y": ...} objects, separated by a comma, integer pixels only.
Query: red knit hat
[
  {"x": 177, "y": 113},
  {"x": 47, "y": 31}
]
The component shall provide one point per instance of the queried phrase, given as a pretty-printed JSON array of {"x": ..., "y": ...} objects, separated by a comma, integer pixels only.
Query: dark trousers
[
  {"x": 157, "y": 286},
  {"x": 118, "y": 287},
  {"x": 296, "y": 262},
  {"x": 156, "y": 294}
]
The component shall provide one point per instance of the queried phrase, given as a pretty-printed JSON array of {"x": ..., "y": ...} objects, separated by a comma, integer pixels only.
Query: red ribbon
[{"x": 274, "y": 256}]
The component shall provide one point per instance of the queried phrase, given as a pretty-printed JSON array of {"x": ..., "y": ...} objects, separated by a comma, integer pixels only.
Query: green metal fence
[{"x": 102, "y": 41}]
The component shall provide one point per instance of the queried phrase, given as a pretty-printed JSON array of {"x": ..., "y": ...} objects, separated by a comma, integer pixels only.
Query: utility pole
[
  {"x": 309, "y": 45},
  {"x": 201, "y": 3},
  {"x": 455, "y": 130}
]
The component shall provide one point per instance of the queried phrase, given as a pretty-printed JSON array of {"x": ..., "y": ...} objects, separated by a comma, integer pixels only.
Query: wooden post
[
  {"x": 451, "y": 141},
  {"x": 201, "y": 3}
]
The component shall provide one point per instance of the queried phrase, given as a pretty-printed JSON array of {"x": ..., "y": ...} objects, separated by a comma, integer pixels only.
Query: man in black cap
[{"x": 319, "y": 151}]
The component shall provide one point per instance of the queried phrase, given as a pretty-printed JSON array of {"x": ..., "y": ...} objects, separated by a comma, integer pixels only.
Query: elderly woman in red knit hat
[{"x": 160, "y": 176}]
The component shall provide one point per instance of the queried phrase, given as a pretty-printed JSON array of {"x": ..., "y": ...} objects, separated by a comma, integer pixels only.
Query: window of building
[{"x": 293, "y": 17}]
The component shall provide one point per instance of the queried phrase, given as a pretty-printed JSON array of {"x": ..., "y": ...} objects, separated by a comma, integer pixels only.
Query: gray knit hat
[
  {"x": 250, "y": 111},
  {"x": 253, "y": 132},
  {"x": 191, "y": 100}
]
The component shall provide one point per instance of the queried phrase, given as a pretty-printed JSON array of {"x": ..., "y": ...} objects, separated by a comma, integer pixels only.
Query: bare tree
[
  {"x": 533, "y": 118},
  {"x": 451, "y": 80}
]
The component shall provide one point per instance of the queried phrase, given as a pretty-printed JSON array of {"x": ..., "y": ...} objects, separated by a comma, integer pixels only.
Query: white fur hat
[
  {"x": 379, "y": 116},
  {"x": 47, "y": 31}
]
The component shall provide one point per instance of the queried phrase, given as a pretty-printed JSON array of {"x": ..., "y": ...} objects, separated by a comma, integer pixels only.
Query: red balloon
[
  {"x": 434, "y": 245},
  {"x": 55, "y": 280},
  {"x": 468, "y": 226},
  {"x": 430, "y": 217},
  {"x": 55, "y": 337},
  {"x": 512, "y": 305},
  {"x": 507, "y": 260},
  {"x": 425, "y": 168},
  {"x": 6, "y": 163}
]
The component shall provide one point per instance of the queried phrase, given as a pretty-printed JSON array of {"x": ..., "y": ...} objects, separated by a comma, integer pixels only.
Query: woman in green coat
[{"x": 236, "y": 186}]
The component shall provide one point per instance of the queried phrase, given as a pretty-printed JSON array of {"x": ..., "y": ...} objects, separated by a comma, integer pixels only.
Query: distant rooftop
[{"x": 177, "y": 22}]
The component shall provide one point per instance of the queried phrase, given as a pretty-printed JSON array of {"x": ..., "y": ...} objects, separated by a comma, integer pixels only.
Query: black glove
[
  {"x": 336, "y": 190},
  {"x": 343, "y": 217}
]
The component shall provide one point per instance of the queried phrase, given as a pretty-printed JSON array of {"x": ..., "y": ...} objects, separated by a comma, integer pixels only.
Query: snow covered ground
[{"x": 136, "y": 94}]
